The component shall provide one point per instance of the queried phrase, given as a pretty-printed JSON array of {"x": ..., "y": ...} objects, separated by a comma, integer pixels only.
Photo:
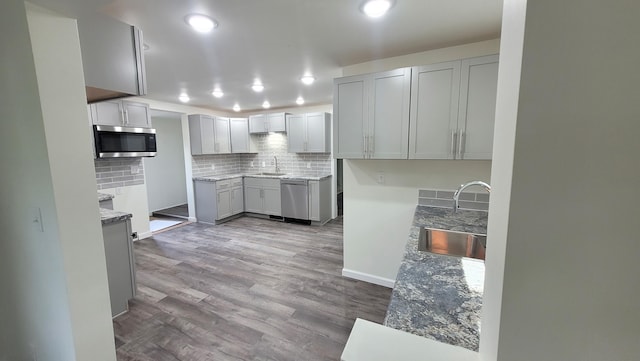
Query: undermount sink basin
[
  {"x": 452, "y": 243},
  {"x": 272, "y": 174}
]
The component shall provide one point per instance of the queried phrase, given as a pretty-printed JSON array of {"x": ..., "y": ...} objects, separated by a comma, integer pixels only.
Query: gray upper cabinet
[
  {"x": 209, "y": 135},
  {"x": 434, "y": 111},
  {"x": 222, "y": 135},
  {"x": 241, "y": 141},
  {"x": 371, "y": 115},
  {"x": 265, "y": 123},
  {"x": 453, "y": 109},
  {"x": 476, "y": 114},
  {"x": 121, "y": 113},
  {"x": 350, "y": 101},
  {"x": 309, "y": 133}
]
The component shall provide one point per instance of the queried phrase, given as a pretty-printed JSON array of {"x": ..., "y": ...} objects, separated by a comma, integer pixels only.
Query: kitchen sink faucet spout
[
  {"x": 275, "y": 160},
  {"x": 456, "y": 195}
]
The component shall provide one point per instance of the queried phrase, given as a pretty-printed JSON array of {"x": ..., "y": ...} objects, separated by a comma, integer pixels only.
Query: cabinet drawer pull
[
  {"x": 461, "y": 144},
  {"x": 452, "y": 151}
]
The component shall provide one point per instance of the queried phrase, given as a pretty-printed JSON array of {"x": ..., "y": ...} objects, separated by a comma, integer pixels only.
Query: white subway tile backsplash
[{"x": 113, "y": 173}]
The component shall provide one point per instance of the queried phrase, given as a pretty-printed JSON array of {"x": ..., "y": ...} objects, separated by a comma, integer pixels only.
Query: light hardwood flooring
[{"x": 248, "y": 289}]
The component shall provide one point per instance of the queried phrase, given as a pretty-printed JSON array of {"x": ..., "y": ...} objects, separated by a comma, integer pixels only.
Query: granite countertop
[
  {"x": 104, "y": 197},
  {"x": 108, "y": 216},
  {"x": 438, "y": 296},
  {"x": 219, "y": 177}
]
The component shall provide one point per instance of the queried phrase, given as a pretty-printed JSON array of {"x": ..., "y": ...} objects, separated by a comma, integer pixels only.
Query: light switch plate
[
  {"x": 309, "y": 165},
  {"x": 134, "y": 169}
]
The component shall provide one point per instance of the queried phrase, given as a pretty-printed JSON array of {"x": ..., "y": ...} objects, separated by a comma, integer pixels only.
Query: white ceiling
[{"x": 278, "y": 41}]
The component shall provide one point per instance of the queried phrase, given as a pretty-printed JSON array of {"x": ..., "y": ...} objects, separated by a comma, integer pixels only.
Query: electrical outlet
[
  {"x": 135, "y": 169},
  {"x": 380, "y": 178},
  {"x": 118, "y": 190},
  {"x": 213, "y": 167},
  {"x": 251, "y": 164},
  {"x": 264, "y": 164},
  {"x": 309, "y": 165}
]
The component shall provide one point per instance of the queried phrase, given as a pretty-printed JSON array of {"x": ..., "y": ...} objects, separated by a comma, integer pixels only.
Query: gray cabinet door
[
  {"x": 240, "y": 138},
  {"x": 318, "y": 133},
  {"x": 272, "y": 201},
  {"x": 350, "y": 114},
  {"x": 108, "y": 113},
  {"x": 388, "y": 129},
  {"x": 253, "y": 199},
  {"x": 201, "y": 134},
  {"x": 258, "y": 123},
  {"x": 477, "y": 109},
  {"x": 314, "y": 200},
  {"x": 205, "y": 197},
  {"x": 434, "y": 111},
  {"x": 237, "y": 200},
  {"x": 222, "y": 135},
  {"x": 136, "y": 114},
  {"x": 120, "y": 266},
  {"x": 297, "y": 133},
  {"x": 276, "y": 122},
  {"x": 224, "y": 203}
]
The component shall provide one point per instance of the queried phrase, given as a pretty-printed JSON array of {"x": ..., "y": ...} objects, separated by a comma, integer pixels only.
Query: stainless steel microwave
[{"x": 118, "y": 142}]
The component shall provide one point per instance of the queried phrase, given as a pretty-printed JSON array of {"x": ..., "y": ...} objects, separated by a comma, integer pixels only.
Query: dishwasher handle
[{"x": 302, "y": 182}]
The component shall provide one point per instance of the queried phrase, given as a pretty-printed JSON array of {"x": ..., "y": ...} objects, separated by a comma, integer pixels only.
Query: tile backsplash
[
  {"x": 119, "y": 172},
  {"x": 268, "y": 146},
  {"x": 444, "y": 199}
]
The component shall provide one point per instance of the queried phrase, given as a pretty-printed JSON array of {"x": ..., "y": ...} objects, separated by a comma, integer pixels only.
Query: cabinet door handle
[
  {"x": 452, "y": 151},
  {"x": 364, "y": 146},
  {"x": 461, "y": 143}
]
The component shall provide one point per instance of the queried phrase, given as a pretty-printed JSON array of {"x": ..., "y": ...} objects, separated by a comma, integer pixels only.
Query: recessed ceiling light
[
  {"x": 217, "y": 93},
  {"x": 184, "y": 98},
  {"x": 257, "y": 86},
  {"x": 266, "y": 105},
  {"x": 376, "y": 8},
  {"x": 307, "y": 79},
  {"x": 201, "y": 23},
  {"x": 236, "y": 107},
  {"x": 300, "y": 101}
]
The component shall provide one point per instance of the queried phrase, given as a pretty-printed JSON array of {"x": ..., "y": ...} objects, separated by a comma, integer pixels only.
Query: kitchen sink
[{"x": 452, "y": 243}]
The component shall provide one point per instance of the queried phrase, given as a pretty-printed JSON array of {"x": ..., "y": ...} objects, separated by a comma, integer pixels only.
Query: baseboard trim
[
  {"x": 144, "y": 235},
  {"x": 386, "y": 282}
]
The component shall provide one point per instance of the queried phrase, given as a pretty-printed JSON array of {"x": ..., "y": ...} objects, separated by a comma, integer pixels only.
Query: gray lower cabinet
[
  {"x": 262, "y": 196},
  {"x": 320, "y": 200},
  {"x": 218, "y": 200},
  {"x": 121, "y": 272}
]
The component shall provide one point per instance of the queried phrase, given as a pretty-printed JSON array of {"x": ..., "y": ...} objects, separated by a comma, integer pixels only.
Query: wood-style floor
[{"x": 249, "y": 289}]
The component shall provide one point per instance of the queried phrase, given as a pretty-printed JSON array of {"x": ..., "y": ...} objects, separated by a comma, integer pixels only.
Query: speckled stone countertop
[
  {"x": 109, "y": 216},
  {"x": 438, "y": 296},
  {"x": 220, "y": 177},
  {"x": 104, "y": 197}
]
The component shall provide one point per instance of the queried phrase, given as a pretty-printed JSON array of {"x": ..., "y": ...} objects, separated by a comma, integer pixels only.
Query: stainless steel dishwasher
[{"x": 295, "y": 198}]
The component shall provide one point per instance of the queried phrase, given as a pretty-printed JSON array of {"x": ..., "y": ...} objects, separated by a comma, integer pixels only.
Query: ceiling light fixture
[
  {"x": 201, "y": 23},
  {"x": 257, "y": 86},
  {"x": 184, "y": 98},
  {"x": 307, "y": 79},
  {"x": 266, "y": 105},
  {"x": 376, "y": 8},
  {"x": 236, "y": 108},
  {"x": 217, "y": 93},
  {"x": 300, "y": 101}
]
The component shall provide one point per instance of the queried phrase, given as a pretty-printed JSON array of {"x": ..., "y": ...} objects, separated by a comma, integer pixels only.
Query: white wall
[
  {"x": 165, "y": 173},
  {"x": 373, "y": 253},
  {"x": 58, "y": 62},
  {"x": 570, "y": 285},
  {"x": 55, "y": 286}
]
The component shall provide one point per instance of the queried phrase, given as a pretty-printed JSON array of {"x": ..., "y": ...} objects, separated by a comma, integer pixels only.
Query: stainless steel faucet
[
  {"x": 456, "y": 195},
  {"x": 275, "y": 159}
]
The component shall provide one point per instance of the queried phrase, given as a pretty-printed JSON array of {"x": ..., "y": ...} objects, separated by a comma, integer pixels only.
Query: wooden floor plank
[{"x": 248, "y": 289}]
